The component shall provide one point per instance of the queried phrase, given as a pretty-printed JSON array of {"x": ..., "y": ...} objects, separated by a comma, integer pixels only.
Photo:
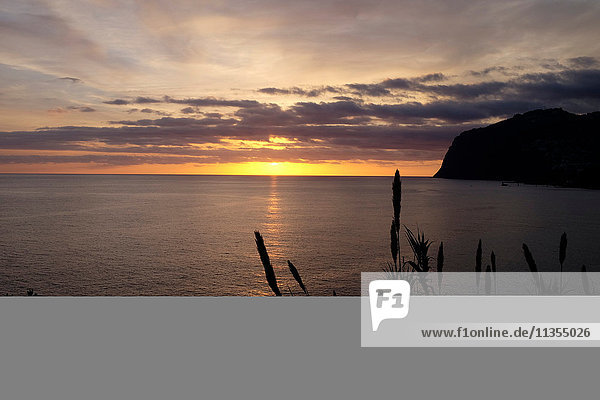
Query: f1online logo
[{"x": 389, "y": 300}]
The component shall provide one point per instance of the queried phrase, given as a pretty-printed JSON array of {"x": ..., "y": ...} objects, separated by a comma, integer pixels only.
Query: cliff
[{"x": 552, "y": 147}]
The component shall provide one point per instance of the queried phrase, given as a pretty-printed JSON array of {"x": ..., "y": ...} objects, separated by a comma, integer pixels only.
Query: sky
[{"x": 278, "y": 87}]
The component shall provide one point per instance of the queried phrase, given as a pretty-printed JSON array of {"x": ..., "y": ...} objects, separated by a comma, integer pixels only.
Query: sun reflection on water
[{"x": 273, "y": 219}]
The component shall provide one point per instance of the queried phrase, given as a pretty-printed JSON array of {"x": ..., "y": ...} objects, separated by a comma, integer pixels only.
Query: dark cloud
[
  {"x": 366, "y": 89},
  {"x": 489, "y": 70},
  {"x": 153, "y": 143},
  {"x": 361, "y": 89},
  {"x": 436, "y": 77},
  {"x": 169, "y": 121},
  {"x": 466, "y": 91},
  {"x": 314, "y": 92},
  {"x": 70, "y": 79},
  {"x": 117, "y": 102},
  {"x": 195, "y": 102},
  {"x": 583, "y": 62},
  {"x": 82, "y": 109},
  {"x": 266, "y": 115},
  {"x": 345, "y": 98},
  {"x": 213, "y": 115},
  {"x": 212, "y": 102},
  {"x": 153, "y": 111},
  {"x": 373, "y": 127},
  {"x": 146, "y": 100},
  {"x": 339, "y": 112}
]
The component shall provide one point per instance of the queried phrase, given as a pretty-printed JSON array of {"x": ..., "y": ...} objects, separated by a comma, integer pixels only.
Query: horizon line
[{"x": 176, "y": 174}]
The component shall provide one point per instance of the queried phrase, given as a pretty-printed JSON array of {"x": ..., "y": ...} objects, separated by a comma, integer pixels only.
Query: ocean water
[{"x": 108, "y": 235}]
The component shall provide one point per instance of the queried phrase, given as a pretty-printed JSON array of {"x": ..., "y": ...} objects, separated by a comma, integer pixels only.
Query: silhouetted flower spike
[
  {"x": 396, "y": 199},
  {"x": 533, "y": 268},
  {"x": 488, "y": 280},
  {"x": 394, "y": 243},
  {"x": 585, "y": 281},
  {"x": 297, "y": 277},
  {"x": 440, "y": 266},
  {"x": 266, "y": 262},
  {"x": 563, "y": 249},
  {"x": 493, "y": 258},
  {"x": 478, "y": 264}
]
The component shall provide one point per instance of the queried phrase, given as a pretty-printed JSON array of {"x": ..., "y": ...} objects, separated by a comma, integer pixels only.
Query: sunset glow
[{"x": 304, "y": 88}]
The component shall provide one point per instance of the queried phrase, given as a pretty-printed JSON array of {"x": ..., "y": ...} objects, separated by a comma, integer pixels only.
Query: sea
[{"x": 173, "y": 235}]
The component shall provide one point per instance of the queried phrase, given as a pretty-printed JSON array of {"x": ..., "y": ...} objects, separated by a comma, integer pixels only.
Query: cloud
[
  {"x": 169, "y": 121},
  {"x": 387, "y": 120},
  {"x": 486, "y": 71},
  {"x": 145, "y": 100},
  {"x": 365, "y": 89},
  {"x": 57, "y": 110},
  {"x": 118, "y": 102},
  {"x": 212, "y": 102},
  {"x": 583, "y": 62},
  {"x": 153, "y": 111},
  {"x": 72, "y": 80},
  {"x": 195, "y": 102},
  {"x": 84, "y": 109},
  {"x": 188, "y": 138},
  {"x": 314, "y": 92}
]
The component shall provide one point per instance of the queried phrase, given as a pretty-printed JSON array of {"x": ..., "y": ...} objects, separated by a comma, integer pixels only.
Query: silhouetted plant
[
  {"x": 552, "y": 287},
  {"x": 397, "y": 205},
  {"x": 394, "y": 243},
  {"x": 396, "y": 199},
  {"x": 562, "y": 254},
  {"x": 297, "y": 277},
  {"x": 493, "y": 259},
  {"x": 539, "y": 283},
  {"x": 478, "y": 265},
  {"x": 266, "y": 262},
  {"x": 420, "y": 247},
  {"x": 488, "y": 280},
  {"x": 585, "y": 282},
  {"x": 440, "y": 266}
]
